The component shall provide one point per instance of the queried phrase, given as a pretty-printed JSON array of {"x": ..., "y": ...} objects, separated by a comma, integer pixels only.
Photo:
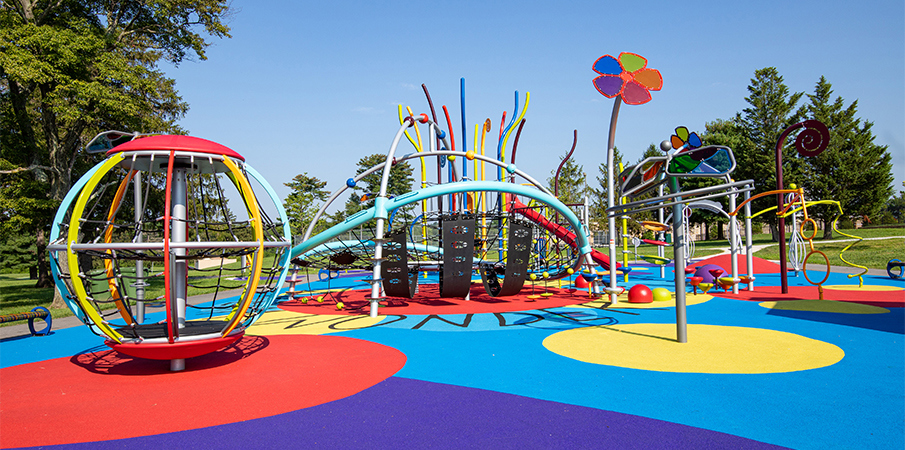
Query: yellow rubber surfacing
[
  {"x": 710, "y": 349},
  {"x": 287, "y": 322},
  {"x": 866, "y": 287}
]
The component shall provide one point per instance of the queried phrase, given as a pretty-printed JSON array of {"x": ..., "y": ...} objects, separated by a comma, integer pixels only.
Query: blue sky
[{"x": 313, "y": 86}]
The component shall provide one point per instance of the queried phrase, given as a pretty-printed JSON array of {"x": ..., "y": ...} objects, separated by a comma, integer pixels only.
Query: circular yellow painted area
[
  {"x": 710, "y": 349},
  {"x": 824, "y": 306},
  {"x": 287, "y": 322},
  {"x": 866, "y": 287},
  {"x": 690, "y": 299}
]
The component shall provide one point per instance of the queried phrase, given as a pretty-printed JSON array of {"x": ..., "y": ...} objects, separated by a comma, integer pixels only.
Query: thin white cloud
[{"x": 366, "y": 110}]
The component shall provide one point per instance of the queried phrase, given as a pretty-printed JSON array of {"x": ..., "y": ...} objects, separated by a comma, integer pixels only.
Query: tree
[
  {"x": 719, "y": 132},
  {"x": 399, "y": 183},
  {"x": 599, "y": 194},
  {"x": 303, "y": 201},
  {"x": 895, "y": 207},
  {"x": 852, "y": 170},
  {"x": 69, "y": 69},
  {"x": 572, "y": 184},
  {"x": 772, "y": 109}
]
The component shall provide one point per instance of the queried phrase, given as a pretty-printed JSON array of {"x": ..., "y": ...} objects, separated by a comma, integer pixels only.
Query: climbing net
[
  {"x": 124, "y": 239},
  {"x": 457, "y": 245}
]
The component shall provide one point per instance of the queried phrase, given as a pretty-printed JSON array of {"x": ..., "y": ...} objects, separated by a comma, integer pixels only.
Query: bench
[{"x": 39, "y": 312}]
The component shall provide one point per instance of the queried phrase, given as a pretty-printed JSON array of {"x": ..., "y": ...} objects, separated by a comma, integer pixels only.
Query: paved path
[{"x": 21, "y": 328}]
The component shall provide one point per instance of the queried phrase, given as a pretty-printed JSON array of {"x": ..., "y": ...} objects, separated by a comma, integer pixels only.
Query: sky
[{"x": 312, "y": 87}]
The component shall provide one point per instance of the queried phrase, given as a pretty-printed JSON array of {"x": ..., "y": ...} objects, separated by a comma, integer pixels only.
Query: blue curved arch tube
[{"x": 380, "y": 209}]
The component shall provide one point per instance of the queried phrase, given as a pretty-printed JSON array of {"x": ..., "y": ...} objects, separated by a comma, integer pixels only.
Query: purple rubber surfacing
[{"x": 407, "y": 413}]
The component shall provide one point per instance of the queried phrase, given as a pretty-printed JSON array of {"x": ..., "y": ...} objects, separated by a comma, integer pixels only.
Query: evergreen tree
[
  {"x": 719, "y": 132},
  {"x": 895, "y": 208},
  {"x": 772, "y": 109},
  {"x": 599, "y": 194},
  {"x": 305, "y": 198},
  {"x": 400, "y": 182},
  {"x": 572, "y": 185},
  {"x": 852, "y": 170}
]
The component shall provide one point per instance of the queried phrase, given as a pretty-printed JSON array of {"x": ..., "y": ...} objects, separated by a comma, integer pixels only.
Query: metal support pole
[
  {"x": 139, "y": 264},
  {"x": 678, "y": 246},
  {"x": 378, "y": 257},
  {"x": 661, "y": 252},
  {"x": 781, "y": 221},
  {"x": 622, "y": 201},
  {"x": 749, "y": 247},
  {"x": 733, "y": 245},
  {"x": 180, "y": 271},
  {"x": 611, "y": 197}
]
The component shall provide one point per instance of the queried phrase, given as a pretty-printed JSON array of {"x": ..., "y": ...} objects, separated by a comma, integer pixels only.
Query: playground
[
  {"x": 471, "y": 311},
  {"x": 760, "y": 370}
]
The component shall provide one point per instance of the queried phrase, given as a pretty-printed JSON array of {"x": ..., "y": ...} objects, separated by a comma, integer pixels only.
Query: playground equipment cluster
[{"x": 158, "y": 200}]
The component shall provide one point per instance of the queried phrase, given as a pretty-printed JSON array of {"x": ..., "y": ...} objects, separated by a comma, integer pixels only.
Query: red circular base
[{"x": 176, "y": 350}]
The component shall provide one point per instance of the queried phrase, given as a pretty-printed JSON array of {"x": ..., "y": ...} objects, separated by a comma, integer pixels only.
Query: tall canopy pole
[
  {"x": 627, "y": 79},
  {"x": 611, "y": 197}
]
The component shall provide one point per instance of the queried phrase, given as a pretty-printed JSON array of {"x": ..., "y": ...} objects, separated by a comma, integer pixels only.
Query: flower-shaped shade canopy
[
  {"x": 627, "y": 76},
  {"x": 683, "y": 138},
  {"x": 709, "y": 161}
]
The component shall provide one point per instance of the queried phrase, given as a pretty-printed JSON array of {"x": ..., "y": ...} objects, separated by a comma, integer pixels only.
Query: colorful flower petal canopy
[
  {"x": 628, "y": 77},
  {"x": 686, "y": 139}
]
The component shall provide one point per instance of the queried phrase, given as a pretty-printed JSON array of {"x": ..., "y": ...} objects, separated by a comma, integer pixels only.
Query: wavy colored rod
[
  {"x": 506, "y": 132},
  {"x": 417, "y": 145},
  {"x": 423, "y": 166},
  {"x": 518, "y": 134},
  {"x": 790, "y": 208}
]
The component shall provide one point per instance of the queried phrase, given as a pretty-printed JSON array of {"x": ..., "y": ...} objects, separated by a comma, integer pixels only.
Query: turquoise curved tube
[
  {"x": 287, "y": 234},
  {"x": 367, "y": 215},
  {"x": 366, "y": 245},
  {"x": 55, "y": 234}
]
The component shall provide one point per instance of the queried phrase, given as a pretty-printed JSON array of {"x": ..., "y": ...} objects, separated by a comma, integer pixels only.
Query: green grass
[
  {"x": 18, "y": 294},
  {"x": 873, "y": 254}
]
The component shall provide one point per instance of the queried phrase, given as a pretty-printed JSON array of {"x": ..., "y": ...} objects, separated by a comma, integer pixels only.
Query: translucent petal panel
[
  {"x": 635, "y": 94},
  {"x": 649, "y": 78},
  {"x": 608, "y": 85},
  {"x": 631, "y": 62},
  {"x": 607, "y": 65},
  {"x": 694, "y": 140},
  {"x": 682, "y": 164}
]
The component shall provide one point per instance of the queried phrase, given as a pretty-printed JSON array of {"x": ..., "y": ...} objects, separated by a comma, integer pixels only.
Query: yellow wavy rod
[{"x": 802, "y": 206}]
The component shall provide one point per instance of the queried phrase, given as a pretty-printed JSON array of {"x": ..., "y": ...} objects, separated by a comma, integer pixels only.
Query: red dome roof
[{"x": 176, "y": 142}]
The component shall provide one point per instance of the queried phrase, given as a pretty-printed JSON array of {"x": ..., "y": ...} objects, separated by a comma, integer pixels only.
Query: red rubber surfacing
[
  {"x": 71, "y": 400},
  {"x": 428, "y": 301},
  {"x": 725, "y": 261}
]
